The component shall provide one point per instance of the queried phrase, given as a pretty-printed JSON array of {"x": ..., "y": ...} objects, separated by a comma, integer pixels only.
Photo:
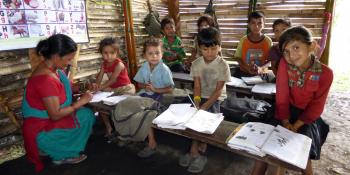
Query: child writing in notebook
[
  {"x": 117, "y": 73},
  {"x": 302, "y": 88},
  {"x": 209, "y": 72},
  {"x": 278, "y": 26},
  {"x": 154, "y": 79},
  {"x": 253, "y": 49}
]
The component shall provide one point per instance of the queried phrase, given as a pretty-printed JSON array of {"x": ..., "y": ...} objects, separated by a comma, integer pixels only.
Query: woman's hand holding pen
[{"x": 86, "y": 97}]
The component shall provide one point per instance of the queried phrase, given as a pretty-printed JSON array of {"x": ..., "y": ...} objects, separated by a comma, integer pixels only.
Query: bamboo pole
[
  {"x": 325, "y": 56},
  {"x": 129, "y": 37},
  {"x": 174, "y": 12},
  {"x": 72, "y": 70}
]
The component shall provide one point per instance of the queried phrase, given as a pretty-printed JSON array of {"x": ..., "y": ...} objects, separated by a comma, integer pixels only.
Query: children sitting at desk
[
  {"x": 278, "y": 26},
  {"x": 253, "y": 49},
  {"x": 118, "y": 79},
  {"x": 154, "y": 79},
  {"x": 302, "y": 86},
  {"x": 210, "y": 72}
]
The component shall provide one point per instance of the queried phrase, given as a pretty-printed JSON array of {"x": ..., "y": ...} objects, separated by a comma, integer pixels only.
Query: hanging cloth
[
  {"x": 152, "y": 22},
  {"x": 210, "y": 10}
]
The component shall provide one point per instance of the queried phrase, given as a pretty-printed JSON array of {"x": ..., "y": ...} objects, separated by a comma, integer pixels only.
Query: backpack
[
  {"x": 132, "y": 117},
  {"x": 242, "y": 110}
]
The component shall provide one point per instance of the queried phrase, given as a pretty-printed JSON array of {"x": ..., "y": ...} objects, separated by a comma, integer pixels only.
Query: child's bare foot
[{"x": 108, "y": 132}]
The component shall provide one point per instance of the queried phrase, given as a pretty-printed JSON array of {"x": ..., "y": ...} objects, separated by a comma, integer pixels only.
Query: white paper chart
[{"x": 24, "y": 22}]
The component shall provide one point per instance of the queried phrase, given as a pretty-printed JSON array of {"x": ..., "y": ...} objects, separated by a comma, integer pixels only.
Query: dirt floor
[{"x": 108, "y": 159}]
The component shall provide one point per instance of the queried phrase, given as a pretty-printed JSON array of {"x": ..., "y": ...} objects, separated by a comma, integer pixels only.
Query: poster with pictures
[{"x": 23, "y": 23}]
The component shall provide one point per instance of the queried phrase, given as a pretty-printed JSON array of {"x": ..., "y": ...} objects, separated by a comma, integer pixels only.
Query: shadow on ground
[{"x": 109, "y": 159}]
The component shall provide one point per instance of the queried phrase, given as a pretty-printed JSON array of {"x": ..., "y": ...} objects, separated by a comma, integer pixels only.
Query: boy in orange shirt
[{"x": 252, "y": 50}]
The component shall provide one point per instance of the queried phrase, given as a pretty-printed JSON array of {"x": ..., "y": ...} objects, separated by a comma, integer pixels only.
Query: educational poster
[{"x": 25, "y": 22}]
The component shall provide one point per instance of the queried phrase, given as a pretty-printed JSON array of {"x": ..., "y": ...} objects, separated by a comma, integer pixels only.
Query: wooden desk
[
  {"x": 184, "y": 78},
  {"x": 218, "y": 139}
]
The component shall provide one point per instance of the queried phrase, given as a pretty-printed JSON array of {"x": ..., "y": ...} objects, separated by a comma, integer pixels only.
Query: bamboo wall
[
  {"x": 104, "y": 18},
  {"x": 139, "y": 12},
  {"x": 232, "y": 18}
]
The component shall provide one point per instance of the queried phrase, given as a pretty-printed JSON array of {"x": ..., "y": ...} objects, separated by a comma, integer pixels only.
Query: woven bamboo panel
[
  {"x": 232, "y": 18},
  {"x": 104, "y": 20},
  {"x": 139, "y": 12}
]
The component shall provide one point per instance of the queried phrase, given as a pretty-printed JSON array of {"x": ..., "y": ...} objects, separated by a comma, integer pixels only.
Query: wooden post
[
  {"x": 174, "y": 12},
  {"x": 35, "y": 59},
  {"x": 325, "y": 56},
  {"x": 74, "y": 66},
  {"x": 129, "y": 37}
]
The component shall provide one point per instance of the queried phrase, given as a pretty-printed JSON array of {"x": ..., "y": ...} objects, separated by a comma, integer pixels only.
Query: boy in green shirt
[{"x": 174, "y": 53}]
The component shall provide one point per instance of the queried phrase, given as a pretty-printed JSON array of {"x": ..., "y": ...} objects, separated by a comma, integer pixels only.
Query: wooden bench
[
  {"x": 183, "y": 79},
  {"x": 218, "y": 139}
]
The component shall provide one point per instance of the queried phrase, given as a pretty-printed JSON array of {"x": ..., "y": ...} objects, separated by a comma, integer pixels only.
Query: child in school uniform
[
  {"x": 278, "y": 26},
  {"x": 154, "y": 79},
  {"x": 174, "y": 53},
  {"x": 117, "y": 73},
  {"x": 252, "y": 50},
  {"x": 302, "y": 86},
  {"x": 209, "y": 72}
]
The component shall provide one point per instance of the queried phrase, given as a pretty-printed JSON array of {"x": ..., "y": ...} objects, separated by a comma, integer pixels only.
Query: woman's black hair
[
  {"x": 284, "y": 21},
  {"x": 297, "y": 33},
  {"x": 56, "y": 44},
  {"x": 109, "y": 41},
  {"x": 209, "y": 37},
  {"x": 205, "y": 18}
]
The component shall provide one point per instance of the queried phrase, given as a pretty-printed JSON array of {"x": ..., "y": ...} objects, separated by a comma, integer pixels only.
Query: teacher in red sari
[{"x": 53, "y": 124}]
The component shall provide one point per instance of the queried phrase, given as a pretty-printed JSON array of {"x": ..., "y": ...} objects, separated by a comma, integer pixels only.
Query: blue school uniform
[{"x": 160, "y": 77}]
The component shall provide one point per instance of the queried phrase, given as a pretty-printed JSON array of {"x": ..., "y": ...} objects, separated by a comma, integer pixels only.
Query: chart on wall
[{"x": 25, "y": 22}]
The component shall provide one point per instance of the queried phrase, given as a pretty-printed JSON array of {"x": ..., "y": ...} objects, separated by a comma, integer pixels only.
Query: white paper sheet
[
  {"x": 251, "y": 137},
  {"x": 288, "y": 146},
  {"x": 113, "y": 100},
  {"x": 99, "y": 96},
  {"x": 205, "y": 122},
  {"x": 236, "y": 82},
  {"x": 253, "y": 80},
  {"x": 264, "y": 88},
  {"x": 169, "y": 118}
]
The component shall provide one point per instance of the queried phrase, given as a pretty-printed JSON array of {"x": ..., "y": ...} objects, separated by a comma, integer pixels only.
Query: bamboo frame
[
  {"x": 129, "y": 37},
  {"x": 74, "y": 67},
  {"x": 325, "y": 56},
  {"x": 174, "y": 12}
]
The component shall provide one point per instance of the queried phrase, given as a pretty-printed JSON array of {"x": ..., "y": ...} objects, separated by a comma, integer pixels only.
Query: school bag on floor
[{"x": 132, "y": 117}]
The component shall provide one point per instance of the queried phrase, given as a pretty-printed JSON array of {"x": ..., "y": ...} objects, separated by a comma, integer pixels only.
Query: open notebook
[
  {"x": 106, "y": 98},
  {"x": 182, "y": 116},
  {"x": 261, "y": 139}
]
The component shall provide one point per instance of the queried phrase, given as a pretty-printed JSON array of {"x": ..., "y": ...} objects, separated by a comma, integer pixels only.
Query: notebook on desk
[
  {"x": 182, "y": 116},
  {"x": 253, "y": 80},
  {"x": 261, "y": 139}
]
